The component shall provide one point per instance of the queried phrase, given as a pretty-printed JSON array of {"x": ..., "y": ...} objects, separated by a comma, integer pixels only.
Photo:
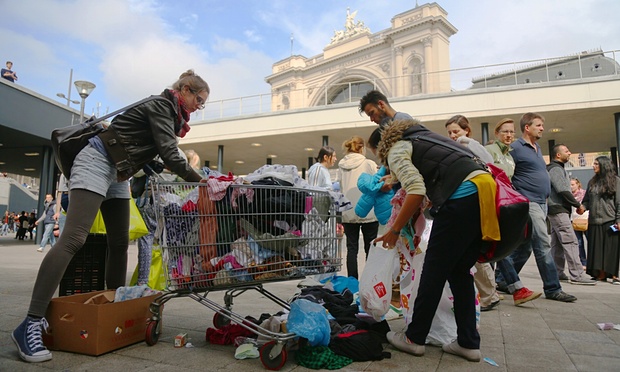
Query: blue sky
[{"x": 133, "y": 48}]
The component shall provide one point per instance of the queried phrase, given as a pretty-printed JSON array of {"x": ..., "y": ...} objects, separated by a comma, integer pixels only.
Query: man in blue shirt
[
  {"x": 532, "y": 180},
  {"x": 7, "y": 73}
]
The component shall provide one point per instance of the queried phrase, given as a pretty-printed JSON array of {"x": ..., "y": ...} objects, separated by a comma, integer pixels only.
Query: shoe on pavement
[
  {"x": 400, "y": 341},
  {"x": 27, "y": 338},
  {"x": 40, "y": 250},
  {"x": 583, "y": 280},
  {"x": 524, "y": 295},
  {"x": 562, "y": 297},
  {"x": 473, "y": 355},
  {"x": 563, "y": 277},
  {"x": 615, "y": 281},
  {"x": 502, "y": 287},
  {"x": 491, "y": 306}
]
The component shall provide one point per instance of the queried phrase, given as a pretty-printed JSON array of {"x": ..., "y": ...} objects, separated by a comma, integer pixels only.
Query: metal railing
[{"x": 590, "y": 64}]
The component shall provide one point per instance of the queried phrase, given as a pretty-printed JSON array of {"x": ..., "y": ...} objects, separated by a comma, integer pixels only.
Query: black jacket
[
  {"x": 560, "y": 199},
  {"x": 146, "y": 131},
  {"x": 442, "y": 168}
]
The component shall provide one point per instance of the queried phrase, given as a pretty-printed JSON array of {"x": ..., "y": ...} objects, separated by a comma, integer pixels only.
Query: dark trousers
[
  {"x": 352, "y": 232},
  {"x": 21, "y": 233},
  {"x": 453, "y": 248},
  {"x": 115, "y": 213}
]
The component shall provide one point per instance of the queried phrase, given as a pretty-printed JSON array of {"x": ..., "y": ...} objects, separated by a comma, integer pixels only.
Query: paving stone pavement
[{"x": 541, "y": 335}]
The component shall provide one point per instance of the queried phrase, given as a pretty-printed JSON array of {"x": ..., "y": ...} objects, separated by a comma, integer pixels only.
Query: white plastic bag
[
  {"x": 376, "y": 281},
  {"x": 443, "y": 328}
]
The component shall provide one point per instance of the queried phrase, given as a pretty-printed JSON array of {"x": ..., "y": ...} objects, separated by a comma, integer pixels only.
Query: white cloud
[
  {"x": 130, "y": 49},
  {"x": 190, "y": 21},
  {"x": 252, "y": 36}
]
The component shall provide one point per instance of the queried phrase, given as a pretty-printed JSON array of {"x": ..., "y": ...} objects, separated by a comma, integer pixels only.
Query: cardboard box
[{"x": 90, "y": 323}]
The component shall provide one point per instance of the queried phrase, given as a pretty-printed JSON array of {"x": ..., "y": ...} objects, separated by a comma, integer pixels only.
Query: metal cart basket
[{"x": 236, "y": 238}]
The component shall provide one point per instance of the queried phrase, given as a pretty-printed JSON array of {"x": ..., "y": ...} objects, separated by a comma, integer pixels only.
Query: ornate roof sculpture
[{"x": 351, "y": 28}]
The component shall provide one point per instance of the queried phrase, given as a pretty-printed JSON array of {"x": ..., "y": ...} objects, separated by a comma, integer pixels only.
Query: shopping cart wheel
[
  {"x": 152, "y": 332},
  {"x": 220, "y": 321},
  {"x": 272, "y": 363}
]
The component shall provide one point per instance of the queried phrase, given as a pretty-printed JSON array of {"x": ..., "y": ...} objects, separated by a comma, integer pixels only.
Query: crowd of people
[
  {"x": 18, "y": 223},
  {"x": 457, "y": 188},
  {"x": 453, "y": 187}
]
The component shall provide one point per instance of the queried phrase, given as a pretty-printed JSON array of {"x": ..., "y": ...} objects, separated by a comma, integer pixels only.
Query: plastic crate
[{"x": 86, "y": 271}]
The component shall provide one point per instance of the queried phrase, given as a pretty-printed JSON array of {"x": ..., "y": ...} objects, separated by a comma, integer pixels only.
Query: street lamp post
[
  {"x": 69, "y": 100},
  {"x": 84, "y": 89},
  {"x": 68, "y": 96}
]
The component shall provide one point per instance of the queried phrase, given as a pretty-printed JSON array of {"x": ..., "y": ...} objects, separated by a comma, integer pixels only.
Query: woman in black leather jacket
[{"x": 99, "y": 182}]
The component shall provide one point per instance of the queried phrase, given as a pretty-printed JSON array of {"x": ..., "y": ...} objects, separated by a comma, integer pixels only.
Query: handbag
[
  {"x": 67, "y": 142},
  {"x": 137, "y": 227},
  {"x": 513, "y": 215},
  {"x": 581, "y": 223}
]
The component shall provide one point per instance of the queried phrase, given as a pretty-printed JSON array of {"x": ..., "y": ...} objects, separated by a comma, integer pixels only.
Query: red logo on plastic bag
[{"x": 380, "y": 289}]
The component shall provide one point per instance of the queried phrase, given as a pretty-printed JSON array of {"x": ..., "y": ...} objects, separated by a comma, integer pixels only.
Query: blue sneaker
[{"x": 28, "y": 339}]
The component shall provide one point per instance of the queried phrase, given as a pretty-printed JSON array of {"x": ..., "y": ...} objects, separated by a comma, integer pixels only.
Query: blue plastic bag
[
  {"x": 309, "y": 320},
  {"x": 341, "y": 283}
]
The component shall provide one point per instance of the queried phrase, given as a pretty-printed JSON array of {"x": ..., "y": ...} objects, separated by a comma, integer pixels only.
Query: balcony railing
[{"x": 589, "y": 64}]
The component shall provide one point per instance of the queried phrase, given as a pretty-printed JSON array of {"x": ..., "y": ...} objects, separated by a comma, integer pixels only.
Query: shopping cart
[{"x": 236, "y": 239}]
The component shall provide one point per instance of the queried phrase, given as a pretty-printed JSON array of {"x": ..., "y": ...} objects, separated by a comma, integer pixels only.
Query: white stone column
[
  {"x": 398, "y": 71},
  {"x": 430, "y": 79}
]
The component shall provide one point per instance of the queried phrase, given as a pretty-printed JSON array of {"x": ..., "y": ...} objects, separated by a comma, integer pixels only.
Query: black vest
[{"x": 442, "y": 168}]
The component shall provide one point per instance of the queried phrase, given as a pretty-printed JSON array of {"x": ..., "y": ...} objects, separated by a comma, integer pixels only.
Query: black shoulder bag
[{"x": 67, "y": 142}]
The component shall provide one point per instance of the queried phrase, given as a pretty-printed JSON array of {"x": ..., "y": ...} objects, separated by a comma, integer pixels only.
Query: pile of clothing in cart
[{"x": 268, "y": 225}]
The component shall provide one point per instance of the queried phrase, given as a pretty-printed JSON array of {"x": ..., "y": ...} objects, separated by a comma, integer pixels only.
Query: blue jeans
[
  {"x": 507, "y": 275},
  {"x": 540, "y": 244},
  {"x": 582, "y": 247},
  {"x": 48, "y": 235},
  {"x": 62, "y": 218}
]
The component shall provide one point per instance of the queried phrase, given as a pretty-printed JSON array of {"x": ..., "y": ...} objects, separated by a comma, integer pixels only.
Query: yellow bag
[
  {"x": 157, "y": 276},
  {"x": 137, "y": 227},
  {"x": 98, "y": 226},
  {"x": 580, "y": 224}
]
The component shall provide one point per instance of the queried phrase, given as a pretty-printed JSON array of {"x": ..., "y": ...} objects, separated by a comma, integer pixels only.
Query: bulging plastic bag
[
  {"x": 309, "y": 320},
  {"x": 443, "y": 328},
  {"x": 376, "y": 282}
]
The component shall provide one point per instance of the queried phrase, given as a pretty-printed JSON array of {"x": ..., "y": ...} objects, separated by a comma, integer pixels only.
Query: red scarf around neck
[{"x": 182, "y": 112}]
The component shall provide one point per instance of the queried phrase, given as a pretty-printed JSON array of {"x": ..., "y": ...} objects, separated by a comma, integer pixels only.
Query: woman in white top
[
  {"x": 350, "y": 167},
  {"x": 459, "y": 130},
  {"x": 318, "y": 174}
]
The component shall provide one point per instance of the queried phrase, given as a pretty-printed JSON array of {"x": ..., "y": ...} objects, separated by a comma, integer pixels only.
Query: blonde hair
[
  {"x": 353, "y": 144},
  {"x": 194, "y": 82},
  {"x": 502, "y": 122},
  {"x": 192, "y": 158}
]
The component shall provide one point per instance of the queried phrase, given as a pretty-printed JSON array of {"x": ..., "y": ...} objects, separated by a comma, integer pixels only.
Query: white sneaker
[
  {"x": 473, "y": 355},
  {"x": 40, "y": 250}
]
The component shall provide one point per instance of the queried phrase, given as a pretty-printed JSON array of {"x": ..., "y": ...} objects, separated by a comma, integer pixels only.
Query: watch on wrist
[{"x": 395, "y": 232}]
